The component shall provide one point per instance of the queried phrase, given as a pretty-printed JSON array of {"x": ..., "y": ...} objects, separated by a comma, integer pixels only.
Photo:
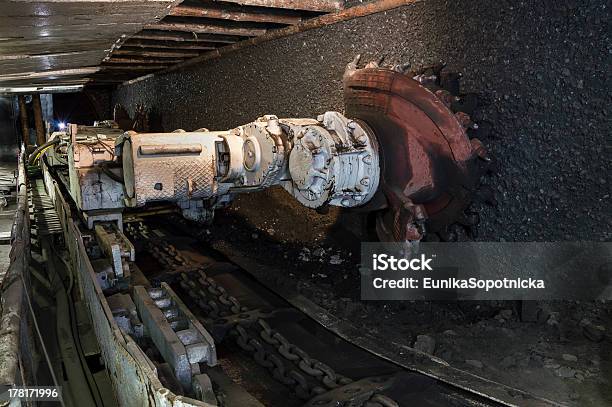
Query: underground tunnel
[{"x": 281, "y": 203}]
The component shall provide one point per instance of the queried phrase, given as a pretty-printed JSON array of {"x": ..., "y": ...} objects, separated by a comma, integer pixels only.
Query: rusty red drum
[{"x": 429, "y": 165}]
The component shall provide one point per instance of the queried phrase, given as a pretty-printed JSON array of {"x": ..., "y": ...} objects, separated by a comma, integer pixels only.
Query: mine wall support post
[
  {"x": 38, "y": 119},
  {"x": 23, "y": 119}
]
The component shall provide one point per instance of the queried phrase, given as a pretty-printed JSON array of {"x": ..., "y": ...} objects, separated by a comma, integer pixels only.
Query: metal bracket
[{"x": 116, "y": 246}]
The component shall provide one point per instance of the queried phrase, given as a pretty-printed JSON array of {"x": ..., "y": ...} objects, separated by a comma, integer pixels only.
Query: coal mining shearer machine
[{"x": 399, "y": 151}]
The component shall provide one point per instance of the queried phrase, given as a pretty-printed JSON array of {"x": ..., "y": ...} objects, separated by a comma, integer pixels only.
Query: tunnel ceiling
[
  {"x": 63, "y": 43},
  {"x": 59, "y": 43}
]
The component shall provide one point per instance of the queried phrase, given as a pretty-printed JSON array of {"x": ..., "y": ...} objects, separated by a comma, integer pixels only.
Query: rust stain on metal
[
  {"x": 183, "y": 37},
  {"x": 238, "y": 14},
  {"x": 429, "y": 160},
  {"x": 311, "y": 5},
  {"x": 245, "y": 31}
]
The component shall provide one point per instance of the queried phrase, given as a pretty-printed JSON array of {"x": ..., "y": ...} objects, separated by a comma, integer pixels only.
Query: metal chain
[
  {"x": 304, "y": 386},
  {"x": 304, "y": 366},
  {"x": 288, "y": 363},
  {"x": 210, "y": 296},
  {"x": 307, "y": 364},
  {"x": 162, "y": 251}
]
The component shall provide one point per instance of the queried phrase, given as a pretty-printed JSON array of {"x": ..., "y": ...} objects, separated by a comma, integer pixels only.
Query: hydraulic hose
[{"x": 41, "y": 149}]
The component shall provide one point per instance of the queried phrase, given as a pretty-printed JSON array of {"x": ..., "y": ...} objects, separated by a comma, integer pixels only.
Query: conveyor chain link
[
  {"x": 291, "y": 352},
  {"x": 305, "y": 387},
  {"x": 210, "y": 296},
  {"x": 298, "y": 367}
]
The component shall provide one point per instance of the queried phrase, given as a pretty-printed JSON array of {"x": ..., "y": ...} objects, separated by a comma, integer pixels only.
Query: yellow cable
[{"x": 42, "y": 152}]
